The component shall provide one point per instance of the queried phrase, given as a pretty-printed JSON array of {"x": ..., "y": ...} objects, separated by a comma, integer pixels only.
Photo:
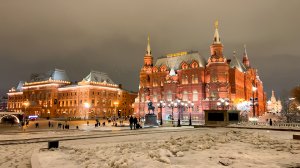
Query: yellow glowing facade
[{"x": 61, "y": 99}]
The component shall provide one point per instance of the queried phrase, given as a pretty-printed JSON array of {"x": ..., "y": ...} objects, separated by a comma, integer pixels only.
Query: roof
[
  {"x": 96, "y": 76},
  {"x": 174, "y": 62},
  {"x": 56, "y": 74},
  {"x": 20, "y": 85},
  {"x": 235, "y": 63}
]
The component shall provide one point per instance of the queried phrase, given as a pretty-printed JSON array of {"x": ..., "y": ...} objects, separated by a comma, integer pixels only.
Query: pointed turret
[
  {"x": 148, "y": 51},
  {"x": 216, "y": 48},
  {"x": 246, "y": 61},
  {"x": 216, "y": 36},
  {"x": 148, "y": 60}
]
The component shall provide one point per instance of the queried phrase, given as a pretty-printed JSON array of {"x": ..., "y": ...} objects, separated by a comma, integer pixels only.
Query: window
[
  {"x": 194, "y": 79},
  {"x": 185, "y": 96},
  {"x": 195, "y": 95}
]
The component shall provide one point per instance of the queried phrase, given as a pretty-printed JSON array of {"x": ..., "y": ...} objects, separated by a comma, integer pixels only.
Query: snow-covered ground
[{"x": 204, "y": 147}]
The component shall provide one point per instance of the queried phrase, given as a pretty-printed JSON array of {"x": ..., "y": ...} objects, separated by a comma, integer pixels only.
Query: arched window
[
  {"x": 194, "y": 64},
  {"x": 184, "y": 65},
  {"x": 184, "y": 79},
  {"x": 163, "y": 68},
  {"x": 194, "y": 79}
]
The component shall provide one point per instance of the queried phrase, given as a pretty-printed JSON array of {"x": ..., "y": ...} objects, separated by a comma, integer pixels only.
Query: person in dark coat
[
  {"x": 135, "y": 122},
  {"x": 130, "y": 122},
  {"x": 271, "y": 122}
]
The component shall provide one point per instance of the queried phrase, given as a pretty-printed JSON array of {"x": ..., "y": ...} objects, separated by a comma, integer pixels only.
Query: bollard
[
  {"x": 53, "y": 144},
  {"x": 296, "y": 137}
]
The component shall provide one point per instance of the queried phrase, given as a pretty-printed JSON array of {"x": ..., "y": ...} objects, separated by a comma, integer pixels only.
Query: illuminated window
[{"x": 195, "y": 95}]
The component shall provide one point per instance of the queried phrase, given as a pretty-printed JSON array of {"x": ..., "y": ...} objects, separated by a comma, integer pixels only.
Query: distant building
[
  {"x": 274, "y": 105},
  {"x": 53, "y": 95},
  {"x": 190, "y": 77},
  {"x": 3, "y": 103}
]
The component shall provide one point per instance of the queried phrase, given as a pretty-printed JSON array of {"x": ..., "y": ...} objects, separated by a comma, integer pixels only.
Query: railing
[
  {"x": 267, "y": 124},
  {"x": 183, "y": 122}
]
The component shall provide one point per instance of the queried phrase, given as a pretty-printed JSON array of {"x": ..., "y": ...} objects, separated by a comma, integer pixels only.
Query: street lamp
[
  {"x": 180, "y": 106},
  {"x": 223, "y": 103},
  {"x": 253, "y": 99},
  {"x": 190, "y": 105},
  {"x": 161, "y": 105},
  {"x": 26, "y": 105},
  {"x": 87, "y": 106},
  {"x": 116, "y": 105},
  {"x": 172, "y": 105}
]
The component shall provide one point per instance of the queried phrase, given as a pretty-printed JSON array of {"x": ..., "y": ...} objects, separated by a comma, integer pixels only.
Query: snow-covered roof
[
  {"x": 237, "y": 64},
  {"x": 174, "y": 62},
  {"x": 96, "y": 76},
  {"x": 20, "y": 85},
  {"x": 56, "y": 74}
]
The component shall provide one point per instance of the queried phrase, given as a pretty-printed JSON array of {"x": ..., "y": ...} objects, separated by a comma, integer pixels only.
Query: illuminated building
[
  {"x": 274, "y": 105},
  {"x": 191, "y": 78},
  {"x": 53, "y": 95}
]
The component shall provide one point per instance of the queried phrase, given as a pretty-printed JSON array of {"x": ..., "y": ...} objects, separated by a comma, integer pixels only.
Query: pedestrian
[
  {"x": 49, "y": 124},
  {"x": 87, "y": 123},
  {"x": 63, "y": 126},
  {"x": 271, "y": 122},
  {"x": 135, "y": 122},
  {"x": 130, "y": 122},
  {"x": 36, "y": 125}
]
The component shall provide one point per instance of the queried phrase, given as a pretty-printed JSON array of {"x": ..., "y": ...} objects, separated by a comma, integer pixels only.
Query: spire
[
  {"x": 217, "y": 36},
  {"x": 246, "y": 61},
  {"x": 273, "y": 93},
  {"x": 148, "y": 51}
]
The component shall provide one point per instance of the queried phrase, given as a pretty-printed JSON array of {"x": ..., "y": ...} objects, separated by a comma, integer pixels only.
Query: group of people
[
  {"x": 133, "y": 122},
  {"x": 63, "y": 126},
  {"x": 98, "y": 124}
]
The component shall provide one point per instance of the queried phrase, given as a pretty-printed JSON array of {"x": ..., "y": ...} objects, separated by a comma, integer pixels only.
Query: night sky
[{"x": 111, "y": 36}]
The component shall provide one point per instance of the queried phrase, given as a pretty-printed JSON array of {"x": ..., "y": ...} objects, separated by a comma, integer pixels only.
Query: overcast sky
[{"x": 111, "y": 36}]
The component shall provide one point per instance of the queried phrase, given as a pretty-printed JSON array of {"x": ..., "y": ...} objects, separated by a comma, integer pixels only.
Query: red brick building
[{"x": 191, "y": 78}]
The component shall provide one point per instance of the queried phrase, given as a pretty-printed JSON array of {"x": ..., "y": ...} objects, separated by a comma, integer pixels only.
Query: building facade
[
  {"x": 53, "y": 95},
  {"x": 3, "y": 103},
  {"x": 189, "y": 77},
  {"x": 274, "y": 105}
]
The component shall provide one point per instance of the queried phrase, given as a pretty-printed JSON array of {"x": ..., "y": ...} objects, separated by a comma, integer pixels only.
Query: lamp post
[
  {"x": 26, "y": 105},
  {"x": 253, "y": 99},
  {"x": 161, "y": 105},
  {"x": 223, "y": 103},
  {"x": 180, "y": 106},
  {"x": 116, "y": 105},
  {"x": 87, "y": 106},
  {"x": 189, "y": 105},
  {"x": 172, "y": 105}
]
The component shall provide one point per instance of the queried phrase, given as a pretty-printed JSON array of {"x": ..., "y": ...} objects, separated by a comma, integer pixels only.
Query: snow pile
[{"x": 174, "y": 150}]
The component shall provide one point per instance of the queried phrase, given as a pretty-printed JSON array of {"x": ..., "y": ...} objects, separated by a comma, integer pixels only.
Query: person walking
[
  {"x": 271, "y": 122},
  {"x": 49, "y": 124},
  {"x": 135, "y": 122},
  {"x": 130, "y": 122}
]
